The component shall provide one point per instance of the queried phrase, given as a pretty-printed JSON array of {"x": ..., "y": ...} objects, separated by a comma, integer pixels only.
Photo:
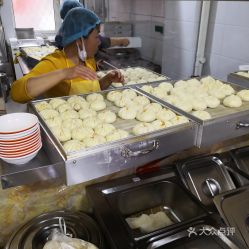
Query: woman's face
[{"x": 92, "y": 43}]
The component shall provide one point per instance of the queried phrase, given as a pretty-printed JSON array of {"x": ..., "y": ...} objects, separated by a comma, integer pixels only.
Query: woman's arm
[{"x": 113, "y": 76}]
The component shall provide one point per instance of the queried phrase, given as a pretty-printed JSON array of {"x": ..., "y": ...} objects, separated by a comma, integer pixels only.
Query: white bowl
[
  {"x": 22, "y": 160},
  {"x": 20, "y": 145},
  {"x": 17, "y": 122}
]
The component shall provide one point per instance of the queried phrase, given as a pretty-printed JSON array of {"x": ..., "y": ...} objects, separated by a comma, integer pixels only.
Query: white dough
[
  {"x": 55, "y": 103},
  {"x": 91, "y": 122},
  {"x": 129, "y": 93},
  {"x": 82, "y": 132},
  {"x": 198, "y": 104},
  {"x": 165, "y": 115},
  {"x": 201, "y": 115},
  {"x": 72, "y": 124},
  {"x": 87, "y": 113},
  {"x": 181, "y": 83},
  {"x": 142, "y": 128},
  {"x": 218, "y": 93},
  {"x": 73, "y": 145},
  {"x": 94, "y": 97},
  {"x": 127, "y": 113},
  {"x": 166, "y": 86},
  {"x": 227, "y": 89},
  {"x": 155, "y": 107},
  {"x": 69, "y": 115},
  {"x": 232, "y": 101},
  {"x": 95, "y": 140},
  {"x": 122, "y": 102},
  {"x": 49, "y": 114},
  {"x": 244, "y": 95},
  {"x": 75, "y": 99},
  {"x": 54, "y": 122},
  {"x": 98, "y": 105},
  {"x": 184, "y": 105},
  {"x": 117, "y": 135},
  {"x": 64, "y": 107},
  {"x": 159, "y": 124},
  {"x": 159, "y": 92},
  {"x": 211, "y": 101},
  {"x": 61, "y": 133},
  {"x": 43, "y": 105},
  {"x": 141, "y": 100},
  {"x": 79, "y": 105},
  {"x": 107, "y": 116},
  {"x": 179, "y": 120},
  {"x": 104, "y": 129},
  {"x": 148, "y": 89},
  {"x": 146, "y": 115},
  {"x": 113, "y": 95}
]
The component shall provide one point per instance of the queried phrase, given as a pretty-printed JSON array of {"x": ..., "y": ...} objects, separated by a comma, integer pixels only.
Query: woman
[{"x": 64, "y": 71}]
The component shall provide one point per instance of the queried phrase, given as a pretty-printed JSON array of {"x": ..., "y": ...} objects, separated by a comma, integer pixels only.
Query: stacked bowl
[{"x": 20, "y": 137}]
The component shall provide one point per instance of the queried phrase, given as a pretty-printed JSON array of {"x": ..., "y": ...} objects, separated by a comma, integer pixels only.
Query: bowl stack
[{"x": 20, "y": 137}]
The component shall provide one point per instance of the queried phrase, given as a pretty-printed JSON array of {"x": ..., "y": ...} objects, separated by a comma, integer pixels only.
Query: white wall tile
[
  {"x": 142, "y": 7},
  {"x": 158, "y": 8}
]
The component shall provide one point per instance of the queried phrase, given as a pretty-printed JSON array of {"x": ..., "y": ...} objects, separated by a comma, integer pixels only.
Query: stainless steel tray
[
  {"x": 238, "y": 79},
  {"x": 133, "y": 151},
  {"x": 206, "y": 177},
  {"x": 226, "y": 123},
  {"x": 161, "y": 75}
]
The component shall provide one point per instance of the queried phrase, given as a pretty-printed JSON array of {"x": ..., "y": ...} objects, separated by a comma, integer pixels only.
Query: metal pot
[{"x": 36, "y": 232}]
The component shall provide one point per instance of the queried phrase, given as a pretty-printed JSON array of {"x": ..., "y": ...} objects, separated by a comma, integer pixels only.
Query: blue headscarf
[
  {"x": 79, "y": 22},
  {"x": 68, "y": 5}
]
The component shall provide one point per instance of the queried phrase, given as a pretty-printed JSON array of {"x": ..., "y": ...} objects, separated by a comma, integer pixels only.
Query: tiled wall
[{"x": 228, "y": 38}]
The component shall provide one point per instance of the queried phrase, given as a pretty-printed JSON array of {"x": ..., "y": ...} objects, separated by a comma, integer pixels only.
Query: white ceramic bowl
[
  {"x": 22, "y": 160},
  {"x": 20, "y": 145},
  {"x": 17, "y": 122}
]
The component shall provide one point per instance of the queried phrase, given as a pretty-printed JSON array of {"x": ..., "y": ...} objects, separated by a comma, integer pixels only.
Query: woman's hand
[
  {"x": 80, "y": 71},
  {"x": 113, "y": 76}
]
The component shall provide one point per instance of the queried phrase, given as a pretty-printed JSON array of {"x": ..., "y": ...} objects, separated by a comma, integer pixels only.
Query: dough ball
[
  {"x": 123, "y": 101},
  {"x": 73, "y": 145},
  {"x": 75, "y": 99},
  {"x": 62, "y": 134},
  {"x": 129, "y": 93},
  {"x": 79, "y": 105},
  {"x": 91, "y": 122},
  {"x": 43, "y": 105},
  {"x": 127, "y": 113},
  {"x": 232, "y": 101},
  {"x": 95, "y": 140},
  {"x": 165, "y": 115},
  {"x": 116, "y": 84},
  {"x": 227, "y": 89},
  {"x": 142, "y": 128},
  {"x": 113, "y": 95},
  {"x": 146, "y": 115},
  {"x": 98, "y": 105},
  {"x": 211, "y": 101},
  {"x": 155, "y": 107},
  {"x": 49, "y": 114},
  {"x": 87, "y": 113},
  {"x": 55, "y": 103},
  {"x": 244, "y": 95},
  {"x": 141, "y": 100},
  {"x": 117, "y": 135},
  {"x": 159, "y": 92},
  {"x": 198, "y": 104},
  {"x": 72, "y": 124},
  {"x": 207, "y": 80},
  {"x": 54, "y": 122},
  {"x": 148, "y": 89},
  {"x": 64, "y": 107},
  {"x": 166, "y": 86},
  {"x": 201, "y": 115},
  {"x": 82, "y": 132},
  {"x": 181, "y": 83},
  {"x": 104, "y": 129},
  {"x": 94, "y": 97},
  {"x": 179, "y": 120},
  {"x": 69, "y": 115},
  {"x": 193, "y": 83},
  {"x": 171, "y": 99},
  {"x": 184, "y": 105},
  {"x": 107, "y": 117},
  {"x": 218, "y": 93},
  {"x": 159, "y": 124}
]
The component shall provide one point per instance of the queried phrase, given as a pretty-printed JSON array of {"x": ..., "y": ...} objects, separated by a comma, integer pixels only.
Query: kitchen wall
[{"x": 228, "y": 38}]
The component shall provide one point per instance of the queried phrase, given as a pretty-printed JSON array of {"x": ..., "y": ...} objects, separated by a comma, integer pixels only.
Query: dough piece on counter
[
  {"x": 98, "y": 105},
  {"x": 165, "y": 115},
  {"x": 232, "y": 101},
  {"x": 127, "y": 113},
  {"x": 95, "y": 140},
  {"x": 184, "y": 105},
  {"x": 72, "y": 124},
  {"x": 181, "y": 83},
  {"x": 142, "y": 128},
  {"x": 179, "y": 120},
  {"x": 244, "y": 95},
  {"x": 49, "y": 114},
  {"x": 166, "y": 86},
  {"x": 55, "y": 103},
  {"x": 218, "y": 93},
  {"x": 171, "y": 99},
  {"x": 69, "y": 115},
  {"x": 113, "y": 95},
  {"x": 62, "y": 134},
  {"x": 193, "y": 83},
  {"x": 73, "y": 145},
  {"x": 43, "y": 105},
  {"x": 87, "y": 113},
  {"x": 100, "y": 74},
  {"x": 211, "y": 101},
  {"x": 198, "y": 104},
  {"x": 201, "y": 115},
  {"x": 155, "y": 107},
  {"x": 117, "y": 135},
  {"x": 94, "y": 97},
  {"x": 123, "y": 101},
  {"x": 159, "y": 92},
  {"x": 64, "y": 107},
  {"x": 54, "y": 122},
  {"x": 79, "y": 105},
  {"x": 81, "y": 133},
  {"x": 129, "y": 93},
  {"x": 159, "y": 124},
  {"x": 104, "y": 129},
  {"x": 107, "y": 117},
  {"x": 141, "y": 100},
  {"x": 146, "y": 115},
  {"x": 116, "y": 84},
  {"x": 227, "y": 89},
  {"x": 75, "y": 99},
  {"x": 91, "y": 122},
  {"x": 208, "y": 80},
  {"x": 148, "y": 89}
]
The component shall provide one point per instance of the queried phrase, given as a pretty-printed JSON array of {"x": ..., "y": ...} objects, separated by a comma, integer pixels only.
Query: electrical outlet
[{"x": 159, "y": 29}]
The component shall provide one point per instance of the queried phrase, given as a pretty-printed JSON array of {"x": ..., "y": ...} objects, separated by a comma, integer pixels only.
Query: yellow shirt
[{"x": 52, "y": 62}]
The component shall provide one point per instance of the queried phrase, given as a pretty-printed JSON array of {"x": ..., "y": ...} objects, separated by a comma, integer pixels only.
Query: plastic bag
[{"x": 61, "y": 240}]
